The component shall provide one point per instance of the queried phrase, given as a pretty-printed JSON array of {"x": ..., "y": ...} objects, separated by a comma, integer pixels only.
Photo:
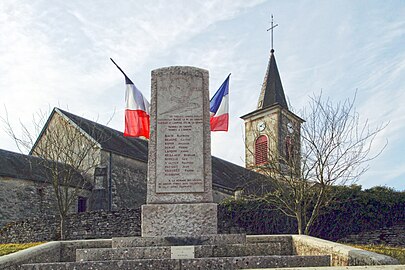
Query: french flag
[
  {"x": 137, "y": 119},
  {"x": 137, "y": 123},
  {"x": 219, "y": 108}
]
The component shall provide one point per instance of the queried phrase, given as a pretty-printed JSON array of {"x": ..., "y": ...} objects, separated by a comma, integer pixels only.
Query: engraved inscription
[{"x": 180, "y": 160}]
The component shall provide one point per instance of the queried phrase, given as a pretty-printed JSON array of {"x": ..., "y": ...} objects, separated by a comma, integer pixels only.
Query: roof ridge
[
  {"x": 87, "y": 120},
  {"x": 95, "y": 123}
]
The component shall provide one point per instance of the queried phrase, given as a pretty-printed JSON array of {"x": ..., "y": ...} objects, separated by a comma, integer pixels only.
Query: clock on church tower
[{"x": 272, "y": 131}]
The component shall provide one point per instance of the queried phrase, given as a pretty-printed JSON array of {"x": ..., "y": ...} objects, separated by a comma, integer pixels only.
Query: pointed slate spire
[{"x": 272, "y": 92}]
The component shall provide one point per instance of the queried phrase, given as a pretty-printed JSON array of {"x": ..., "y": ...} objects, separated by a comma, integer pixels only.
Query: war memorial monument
[{"x": 179, "y": 220}]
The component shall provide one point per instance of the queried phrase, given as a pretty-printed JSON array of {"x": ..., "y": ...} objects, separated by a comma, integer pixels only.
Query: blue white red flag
[
  {"x": 137, "y": 120},
  {"x": 219, "y": 108}
]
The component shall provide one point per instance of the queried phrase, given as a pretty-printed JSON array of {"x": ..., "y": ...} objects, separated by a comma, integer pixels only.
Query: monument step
[
  {"x": 164, "y": 252},
  {"x": 213, "y": 263},
  {"x": 214, "y": 239}
]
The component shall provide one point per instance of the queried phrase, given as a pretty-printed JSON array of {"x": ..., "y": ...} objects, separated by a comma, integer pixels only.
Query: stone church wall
[
  {"x": 128, "y": 181},
  {"x": 252, "y": 133},
  {"x": 23, "y": 199}
]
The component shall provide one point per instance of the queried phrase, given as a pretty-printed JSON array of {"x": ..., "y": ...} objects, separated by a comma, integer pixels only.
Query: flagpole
[{"x": 119, "y": 68}]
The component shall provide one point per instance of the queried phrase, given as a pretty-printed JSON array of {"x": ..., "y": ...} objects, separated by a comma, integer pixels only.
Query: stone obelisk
[{"x": 179, "y": 185}]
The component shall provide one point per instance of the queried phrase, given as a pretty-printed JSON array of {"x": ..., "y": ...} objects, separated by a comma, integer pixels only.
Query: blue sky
[{"x": 56, "y": 53}]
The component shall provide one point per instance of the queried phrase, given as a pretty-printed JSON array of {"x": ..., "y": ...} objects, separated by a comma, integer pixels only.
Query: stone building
[
  {"x": 26, "y": 189},
  {"x": 117, "y": 181}
]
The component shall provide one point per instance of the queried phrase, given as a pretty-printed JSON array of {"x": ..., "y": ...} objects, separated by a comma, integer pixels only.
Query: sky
[{"x": 56, "y": 54}]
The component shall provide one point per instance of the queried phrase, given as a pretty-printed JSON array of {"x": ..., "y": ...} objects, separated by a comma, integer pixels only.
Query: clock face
[
  {"x": 290, "y": 127},
  {"x": 261, "y": 126}
]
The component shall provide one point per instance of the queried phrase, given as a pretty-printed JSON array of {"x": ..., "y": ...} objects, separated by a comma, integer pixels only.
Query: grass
[
  {"x": 10, "y": 248},
  {"x": 395, "y": 252}
]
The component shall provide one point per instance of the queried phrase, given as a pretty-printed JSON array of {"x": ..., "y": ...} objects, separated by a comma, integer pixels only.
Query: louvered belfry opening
[{"x": 261, "y": 148}]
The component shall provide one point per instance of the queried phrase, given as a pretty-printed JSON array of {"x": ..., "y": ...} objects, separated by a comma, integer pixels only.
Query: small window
[
  {"x": 100, "y": 176},
  {"x": 81, "y": 204},
  {"x": 98, "y": 182},
  {"x": 261, "y": 150}
]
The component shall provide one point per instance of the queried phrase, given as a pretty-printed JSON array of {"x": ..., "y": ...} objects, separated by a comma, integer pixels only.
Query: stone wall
[
  {"x": 35, "y": 229},
  {"x": 341, "y": 255},
  {"x": 88, "y": 225},
  {"x": 91, "y": 225},
  {"x": 24, "y": 199},
  {"x": 103, "y": 224},
  {"x": 126, "y": 222}
]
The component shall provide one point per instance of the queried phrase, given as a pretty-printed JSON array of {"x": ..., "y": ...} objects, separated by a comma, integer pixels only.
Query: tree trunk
[
  {"x": 299, "y": 223},
  {"x": 315, "y": 211},
  {"x": 62, "y": 227}
]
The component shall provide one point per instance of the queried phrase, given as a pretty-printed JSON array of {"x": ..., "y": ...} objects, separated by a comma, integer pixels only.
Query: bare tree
[
  {"x": 335, "y": 150},
  {"x": 68, "y": 156}
]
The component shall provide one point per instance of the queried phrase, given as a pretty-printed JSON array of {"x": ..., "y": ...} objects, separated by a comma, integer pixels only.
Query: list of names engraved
[{"x": 179, "y": 160}]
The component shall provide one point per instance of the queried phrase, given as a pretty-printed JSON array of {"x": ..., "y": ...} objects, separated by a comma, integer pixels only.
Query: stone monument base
[{"x": 178, "y": 219}]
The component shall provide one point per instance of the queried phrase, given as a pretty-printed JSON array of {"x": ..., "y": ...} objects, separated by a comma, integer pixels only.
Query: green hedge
[
  {"x": 353, "y": 211},
  {"x": 253, "y": 218},
  {"x": 357, "y": 210}
]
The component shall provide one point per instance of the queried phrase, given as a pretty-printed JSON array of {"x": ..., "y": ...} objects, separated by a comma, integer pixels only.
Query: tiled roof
[
  {"x": 232, "y": 176},
  {"x": 27, "y": 167}
]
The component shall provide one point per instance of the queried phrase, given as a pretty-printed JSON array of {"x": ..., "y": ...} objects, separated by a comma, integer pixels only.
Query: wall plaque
[{"x": 182, "y": 252}]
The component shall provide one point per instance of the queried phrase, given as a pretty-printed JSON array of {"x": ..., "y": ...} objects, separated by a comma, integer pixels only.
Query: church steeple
[
  {"x": 272, "y": 92},
  {"x": 272, "y": 131}
]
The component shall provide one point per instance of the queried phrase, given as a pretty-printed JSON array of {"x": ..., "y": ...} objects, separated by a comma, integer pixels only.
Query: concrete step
[
  {"x": 214, "y": 263},
  {"x": 214, "y": 239},
  {"x": 164, "y": 252}
]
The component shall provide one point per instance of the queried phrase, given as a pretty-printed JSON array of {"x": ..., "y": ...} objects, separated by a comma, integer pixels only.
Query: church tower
[{"x": 272, "y": 131}]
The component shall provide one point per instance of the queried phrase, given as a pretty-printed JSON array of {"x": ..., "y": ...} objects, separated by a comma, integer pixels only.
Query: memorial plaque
[
  {"x": 182, "y": 252},
  {"x": 180, "y": 166}
]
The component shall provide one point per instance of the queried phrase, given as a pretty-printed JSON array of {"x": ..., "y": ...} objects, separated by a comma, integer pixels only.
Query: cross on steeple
[{"x": 271, "y": 28}]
